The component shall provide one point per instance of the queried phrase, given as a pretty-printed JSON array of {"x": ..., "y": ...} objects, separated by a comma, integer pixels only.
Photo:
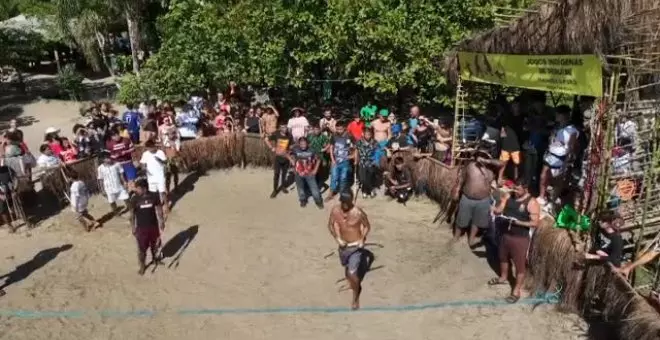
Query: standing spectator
[
  {"x": 187, "y": 120},
  {"x": 280, "y": 142},
  {"x": 382, "y": 132},
  {"x": 306, "y": 164},
  {"x": 13, "y": 127},
  {"x": 132, "y": 118},
  {"x": 7, "y": 186},
  {"x": 319, "y": 143},
  {"x": 222, "y": 104},
  {"x": 414, "y": 117},
  {"x": 298, "y": 124},
  {"x": 367, "y": 163},
  {"x": 423, "y": 134},
  {"x": 121, "y": 150},
  {"x": 79, "y": 201},
  {"x": 510, "y": 150},
  {"x": 328, "y": 123},
  {"x": 222, "y": 122},
  {"x": 356, "y": 127},
  {"x": 111, "y": 178},
  {"x": 269, "y": 120},
  {"x": 341, "y": 153},
  {"x": 558, "y": 156},
  {"x": 82, "y": 142},
  {"x": 252, "y": 122},
  {"x": 520, "y": 212},
  {"x": 154, "y": 162}
]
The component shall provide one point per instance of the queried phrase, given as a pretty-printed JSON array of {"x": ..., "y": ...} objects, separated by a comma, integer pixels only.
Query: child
[
  {"x": 111, "y": 178},
  {"x": 79, "y": 202},
  {"x": 69, "y": 153}
]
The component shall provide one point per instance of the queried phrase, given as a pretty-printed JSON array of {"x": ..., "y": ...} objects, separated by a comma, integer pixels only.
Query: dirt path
[{"x": 253, "y": 252}]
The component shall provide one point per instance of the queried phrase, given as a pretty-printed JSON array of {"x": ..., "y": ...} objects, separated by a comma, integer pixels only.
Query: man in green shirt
[{"x": 319, "y": 143}]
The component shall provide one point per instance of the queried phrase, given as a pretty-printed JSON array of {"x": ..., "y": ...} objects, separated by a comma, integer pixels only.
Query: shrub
[
  {"x": 131, "y": 89},
  {"x": 70, "y": 82}
]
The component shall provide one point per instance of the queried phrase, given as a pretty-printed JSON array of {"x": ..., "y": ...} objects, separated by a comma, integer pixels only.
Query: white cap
[{"x": 52, "y": 130}]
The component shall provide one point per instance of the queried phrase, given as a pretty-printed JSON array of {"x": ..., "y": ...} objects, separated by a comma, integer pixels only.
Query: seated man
[{"x": 399, "y": 181}]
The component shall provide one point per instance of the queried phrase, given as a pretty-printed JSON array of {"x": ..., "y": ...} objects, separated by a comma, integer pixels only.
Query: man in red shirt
[
  {"x": 121, "y": 152},
  {"x": 356, "y": 127}
]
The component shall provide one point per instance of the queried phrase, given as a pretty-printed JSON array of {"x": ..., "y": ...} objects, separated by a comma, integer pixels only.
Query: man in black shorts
[{"x": 148, "y": 223}]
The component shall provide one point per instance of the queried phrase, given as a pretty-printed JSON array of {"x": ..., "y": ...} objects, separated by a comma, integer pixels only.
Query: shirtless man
[
  {"x": 349, "y": 226},
  {"x": 382, "y": 133},
  {"x": 474, "y": 205}
]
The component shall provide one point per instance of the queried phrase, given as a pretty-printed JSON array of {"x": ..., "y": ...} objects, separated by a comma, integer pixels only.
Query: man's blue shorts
[{"x": 130, "y": 171}]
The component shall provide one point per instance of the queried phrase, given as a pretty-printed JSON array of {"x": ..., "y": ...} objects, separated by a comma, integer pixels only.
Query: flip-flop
[
  {"x": 496, "y": 282},
  {"x": 512, "y": 299}
]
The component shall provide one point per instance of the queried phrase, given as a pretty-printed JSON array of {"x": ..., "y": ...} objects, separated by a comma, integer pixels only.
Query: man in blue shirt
[
  {"x": 132, "y": 119},
  {"x": 413, "y": 121}
]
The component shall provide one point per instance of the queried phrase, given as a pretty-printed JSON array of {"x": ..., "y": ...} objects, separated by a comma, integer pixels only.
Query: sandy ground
[{"x": 251, "y": 252}]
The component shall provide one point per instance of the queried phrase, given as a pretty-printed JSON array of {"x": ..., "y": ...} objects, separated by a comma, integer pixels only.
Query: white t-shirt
[
  {"x": 111, "y": 177},
  {"x": 48, "y": 161},
  {"x": 154, "y": 164},
  {"x": 298, "y": 127},
  {"x": 79, "y": 196}
]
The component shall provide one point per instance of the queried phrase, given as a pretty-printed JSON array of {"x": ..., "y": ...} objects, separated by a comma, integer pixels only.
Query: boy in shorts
[{"x": 111, "y": 179}]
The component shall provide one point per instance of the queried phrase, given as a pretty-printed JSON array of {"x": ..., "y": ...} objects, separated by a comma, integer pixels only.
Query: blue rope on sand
[{"x": 543, "y": 298}]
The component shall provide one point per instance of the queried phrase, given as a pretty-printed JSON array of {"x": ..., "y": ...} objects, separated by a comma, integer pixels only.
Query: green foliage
[
  {"x": 385, "y": 48},
  {"x": 131, "y": 90},
  {"x": 70, "y": 82},
  {"x": 18, "y": 48}
]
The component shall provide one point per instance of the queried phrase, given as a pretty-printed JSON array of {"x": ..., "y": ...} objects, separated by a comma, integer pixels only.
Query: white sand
[{"x": 254, "y": 252}]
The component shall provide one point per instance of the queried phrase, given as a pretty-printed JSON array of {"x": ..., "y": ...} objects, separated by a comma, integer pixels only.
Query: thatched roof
[{"x": 603, "y": 27}]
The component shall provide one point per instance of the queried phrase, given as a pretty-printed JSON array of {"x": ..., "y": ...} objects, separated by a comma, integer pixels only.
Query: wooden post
[{"x": 458, "y": 109}]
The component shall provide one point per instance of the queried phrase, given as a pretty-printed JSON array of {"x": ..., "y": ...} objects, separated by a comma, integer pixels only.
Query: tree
[
  {"x": 19, "y": 49},
  {"x": 389, "y": 49}
]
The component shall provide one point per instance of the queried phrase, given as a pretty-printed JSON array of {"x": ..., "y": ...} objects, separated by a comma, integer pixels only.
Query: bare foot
[
  {"x": 96, "y": 225},
  {"x": 355, "y": 305},
  {"x": 142, "y": 270}
]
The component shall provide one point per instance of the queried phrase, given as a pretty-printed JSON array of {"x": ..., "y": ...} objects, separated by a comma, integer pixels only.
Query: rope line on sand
[{"x": 25, "y": 314}]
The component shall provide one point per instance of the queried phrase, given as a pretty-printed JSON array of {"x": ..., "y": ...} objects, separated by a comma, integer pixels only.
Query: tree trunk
[
  {"x": 135, "y": 37},
  {"x": 57, "y": 60}
]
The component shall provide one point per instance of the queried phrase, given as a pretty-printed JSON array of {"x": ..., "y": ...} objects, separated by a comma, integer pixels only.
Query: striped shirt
[{"x": 111, "y": 177}]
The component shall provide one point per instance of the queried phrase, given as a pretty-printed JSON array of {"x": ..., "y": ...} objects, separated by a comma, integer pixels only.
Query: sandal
[
  {"x": 512, "y": 299},
  {"x": 496, "y": 282}
]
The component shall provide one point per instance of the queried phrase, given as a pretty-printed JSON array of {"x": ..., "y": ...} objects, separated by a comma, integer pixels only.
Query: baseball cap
[{"x": 384, "y": 112}]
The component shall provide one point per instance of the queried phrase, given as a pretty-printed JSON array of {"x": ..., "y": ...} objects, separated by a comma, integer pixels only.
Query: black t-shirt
[
  {"x": 252, "y": 124},
  {"x": 281, "y": 142},
  {"x": 612, "y": 244},
  {"x": 400, "y": 141},
  {"x": 510, "y": 142},
  {"x": 144, "y": 208}
]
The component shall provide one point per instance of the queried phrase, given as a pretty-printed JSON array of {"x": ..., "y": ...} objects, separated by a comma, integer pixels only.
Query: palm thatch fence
[{"x": 624, "y": 34}]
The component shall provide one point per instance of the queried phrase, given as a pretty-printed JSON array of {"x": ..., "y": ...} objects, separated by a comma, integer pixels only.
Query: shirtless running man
[{"x": 349, "y": 226}]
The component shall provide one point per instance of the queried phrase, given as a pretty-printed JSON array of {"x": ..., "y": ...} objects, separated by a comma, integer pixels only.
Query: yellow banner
[{"x": 571, "y": 74}]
